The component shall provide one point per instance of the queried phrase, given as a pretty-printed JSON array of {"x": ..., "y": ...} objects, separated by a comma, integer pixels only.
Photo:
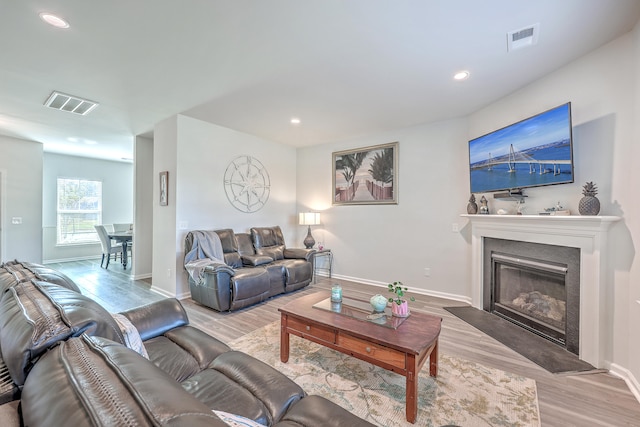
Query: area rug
[
  {"x": 464, "y": 393},
  {"x": 544, "y": 353}
]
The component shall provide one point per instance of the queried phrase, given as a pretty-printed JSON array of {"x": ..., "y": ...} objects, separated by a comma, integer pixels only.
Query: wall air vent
[
  {"x": 72, "y": 104},
  {"x": 523, "y": 37}
]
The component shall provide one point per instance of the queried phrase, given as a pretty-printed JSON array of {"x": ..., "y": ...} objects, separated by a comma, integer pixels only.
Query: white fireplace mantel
[{"x": 589, "y": 234}]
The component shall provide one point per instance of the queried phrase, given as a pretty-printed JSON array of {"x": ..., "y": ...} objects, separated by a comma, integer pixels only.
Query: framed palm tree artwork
[{"x": 366, "y": 176}]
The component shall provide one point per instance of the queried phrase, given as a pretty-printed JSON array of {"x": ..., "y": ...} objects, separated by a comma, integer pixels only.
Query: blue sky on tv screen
[{"x": 545, "y": 128}]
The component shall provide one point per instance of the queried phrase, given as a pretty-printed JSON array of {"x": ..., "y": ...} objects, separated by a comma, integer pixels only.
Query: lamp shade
[{"x": 309, "y": 218}]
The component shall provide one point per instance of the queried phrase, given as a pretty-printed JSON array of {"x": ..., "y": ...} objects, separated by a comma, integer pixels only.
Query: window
[{"x": 79, "y": 209}]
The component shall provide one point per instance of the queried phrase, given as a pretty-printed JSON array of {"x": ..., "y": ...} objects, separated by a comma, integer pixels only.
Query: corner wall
[
  {"x": 196, "y": 154},
  {"x": 142, "y": 253},
  {"x": 21, "y": 185}
]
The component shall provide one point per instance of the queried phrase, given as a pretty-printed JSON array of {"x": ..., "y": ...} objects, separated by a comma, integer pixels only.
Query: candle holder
[{"x": 336, "y": 293}]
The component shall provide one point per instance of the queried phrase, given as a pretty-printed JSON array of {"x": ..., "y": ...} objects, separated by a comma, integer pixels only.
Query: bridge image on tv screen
[{"x": 534, "y": 152}]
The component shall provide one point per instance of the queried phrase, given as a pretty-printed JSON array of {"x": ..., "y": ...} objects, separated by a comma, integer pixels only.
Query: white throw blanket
[
  {"x": 206, "y": 250},
  {"x": 131, "y": 336}
]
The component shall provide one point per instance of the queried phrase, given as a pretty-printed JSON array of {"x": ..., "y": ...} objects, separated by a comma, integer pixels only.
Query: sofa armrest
[
  {"x": 155, "y": 319},
  {"x": 256, "y": 260},
  {"x": 218, "y": 268},
  {"x": 299, "y": 253}
]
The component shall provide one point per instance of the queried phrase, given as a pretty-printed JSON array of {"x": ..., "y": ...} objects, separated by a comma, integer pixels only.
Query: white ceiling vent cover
[
  {"x": 523, "y": 37},
  {"x": 70, "y": 103}
]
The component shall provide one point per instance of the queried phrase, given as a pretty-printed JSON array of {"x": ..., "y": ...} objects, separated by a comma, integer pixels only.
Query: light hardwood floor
[{"x": 599, "y": 399}]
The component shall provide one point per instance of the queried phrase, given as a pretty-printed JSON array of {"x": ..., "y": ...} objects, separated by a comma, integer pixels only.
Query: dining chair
[
  {"x": 122, "y": 228},
  {"x": 108, "y": 247}
]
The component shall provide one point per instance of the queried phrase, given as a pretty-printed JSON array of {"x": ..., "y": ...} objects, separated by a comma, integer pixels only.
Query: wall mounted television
[{"x": 531, "y": 153}]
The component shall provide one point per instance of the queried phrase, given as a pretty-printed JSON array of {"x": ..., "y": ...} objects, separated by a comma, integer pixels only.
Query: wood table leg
[
  {"x": 412, "y": 388},
  {"x": 433, "y": 361},
  {"x": 284, "y": 339}
]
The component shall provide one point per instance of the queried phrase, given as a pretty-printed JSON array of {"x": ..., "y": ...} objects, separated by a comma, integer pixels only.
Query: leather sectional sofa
[
  {"x": 257, "y": 265},
  {"x": 65, "y": 362}
]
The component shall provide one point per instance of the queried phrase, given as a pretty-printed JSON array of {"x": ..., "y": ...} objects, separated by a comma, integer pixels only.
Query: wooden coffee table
[{"x": 403, "y": 350}]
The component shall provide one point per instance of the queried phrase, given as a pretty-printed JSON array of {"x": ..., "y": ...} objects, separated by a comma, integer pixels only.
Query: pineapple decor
[
  {"x": 472, "y": 206},
  {"x": 589, "y": 204}
]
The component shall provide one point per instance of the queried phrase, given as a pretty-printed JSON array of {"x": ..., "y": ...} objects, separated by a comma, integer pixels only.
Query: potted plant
[{"x": 399, "y": 305}]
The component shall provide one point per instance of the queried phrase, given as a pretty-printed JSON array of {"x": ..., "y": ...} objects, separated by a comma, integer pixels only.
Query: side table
[{"x": 326, "y": 266}]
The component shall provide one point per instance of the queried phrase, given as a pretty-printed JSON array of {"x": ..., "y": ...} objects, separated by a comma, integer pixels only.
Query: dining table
[{"x": 126, "y": 238}]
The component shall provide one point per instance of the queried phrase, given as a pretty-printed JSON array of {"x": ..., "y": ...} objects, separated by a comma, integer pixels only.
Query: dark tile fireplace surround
[{"x": 536, "y": 286}]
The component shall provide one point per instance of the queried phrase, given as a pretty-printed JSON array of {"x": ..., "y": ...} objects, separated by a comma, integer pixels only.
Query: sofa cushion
[
  {"x": 297, "y": 271},
  {"x": 184, "y": 351},
  {"x": 230, "y": 248},
  {"x": 34, "y": 316},
  {"x": 318, "y": 411},
  {"x": 90, "y": 381},
  {"x": 249, "y": 282},
  {"x": 243, "y": 385}
]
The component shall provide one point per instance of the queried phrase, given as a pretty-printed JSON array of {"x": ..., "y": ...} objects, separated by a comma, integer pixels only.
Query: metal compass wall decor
[{"x": 247, "y": 184}]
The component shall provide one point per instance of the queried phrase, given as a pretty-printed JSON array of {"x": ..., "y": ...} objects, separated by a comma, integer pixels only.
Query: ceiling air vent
[
  {"x": 72, "y": 104},
  {"x": 523, "y": 37}
]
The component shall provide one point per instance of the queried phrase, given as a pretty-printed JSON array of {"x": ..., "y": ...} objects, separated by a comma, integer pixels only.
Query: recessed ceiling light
[
  {"x": 295, "y": 121},
  {"x": 461, "y": 75},
  {"x": 54, "y": 20}
]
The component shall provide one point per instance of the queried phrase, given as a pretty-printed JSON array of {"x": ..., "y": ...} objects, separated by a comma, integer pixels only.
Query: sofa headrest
[
  {"x": 34, "y": 316},
  {"x": 230, "y": 248},
  {"x": 13, "y": 272},
  {"x": 91, "y": 381},
  {"x": 268, "y": 241}
]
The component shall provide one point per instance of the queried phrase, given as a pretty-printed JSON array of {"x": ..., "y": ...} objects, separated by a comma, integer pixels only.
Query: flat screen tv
[{"x": 533, "y": 152}]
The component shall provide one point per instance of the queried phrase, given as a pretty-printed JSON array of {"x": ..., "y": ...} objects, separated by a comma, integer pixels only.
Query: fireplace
[
  {"x": 536, "y": 286},
  {"x": 588, "y": 308}
]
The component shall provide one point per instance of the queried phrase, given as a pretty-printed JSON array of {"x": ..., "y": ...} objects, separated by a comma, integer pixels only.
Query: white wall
[
  {"x": 201, "y": 153},
  {"x": 165, "y": 141},
  {"x": 632, "y": 220},
  {"x": 143, "y": 208},
  {"x": 20, "y": 196},
  {"x": 379, "y": 244},
  {"x": 117, "y": 199}
]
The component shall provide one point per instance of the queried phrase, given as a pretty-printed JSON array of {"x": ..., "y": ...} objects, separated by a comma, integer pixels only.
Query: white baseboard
[
  {"x": 82, "y": 258},
  {"x": 454, "y": 297},
  {"x": 628, "y": 377},
  {"x": 183, "y": 295},
  {"x": 162, "y": 292}
]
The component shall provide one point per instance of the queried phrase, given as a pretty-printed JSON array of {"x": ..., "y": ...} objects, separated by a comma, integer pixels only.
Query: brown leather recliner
[
  {"x": 65, "y": 358},
  {"x": 257, "y": 266}
]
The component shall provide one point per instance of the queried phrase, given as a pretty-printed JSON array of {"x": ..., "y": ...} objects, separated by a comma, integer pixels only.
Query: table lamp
[{"x": 309, "y": 219}]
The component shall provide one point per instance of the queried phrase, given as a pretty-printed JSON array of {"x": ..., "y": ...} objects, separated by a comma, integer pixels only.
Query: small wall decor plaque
[{"x": 164, "y": 188}]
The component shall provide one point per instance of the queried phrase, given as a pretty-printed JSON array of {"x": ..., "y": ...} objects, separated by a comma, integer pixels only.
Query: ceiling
[{"x": 346, "y": 68}]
